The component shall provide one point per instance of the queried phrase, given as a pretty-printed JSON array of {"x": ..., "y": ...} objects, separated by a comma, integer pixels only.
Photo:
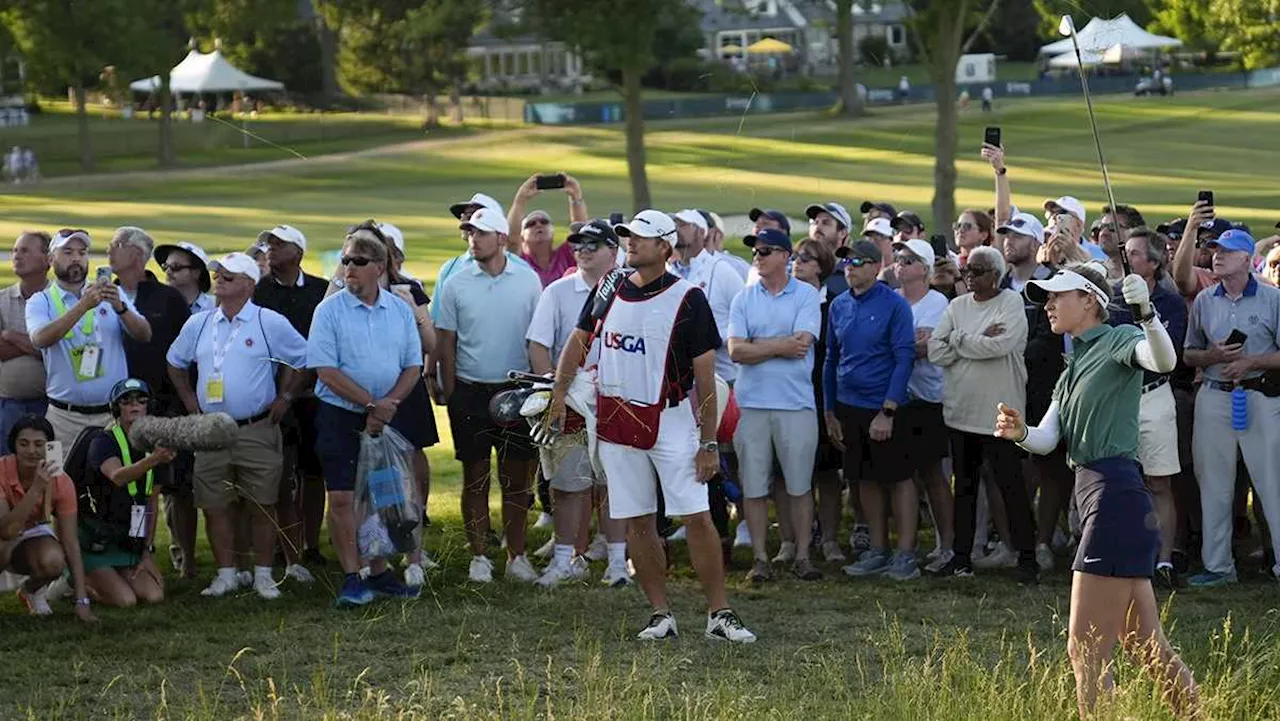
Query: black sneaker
[
  {"x": 955, "y": 568},
  {"x": 1167, "y": 578},
  {"x": 313, "y": 558},
  {"x": 1027, "y": 574},
  {"x": 1181, "y": 561}
]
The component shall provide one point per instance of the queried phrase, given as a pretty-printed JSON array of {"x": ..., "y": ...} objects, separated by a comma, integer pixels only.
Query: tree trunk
[
  {"x": 455, "y": 101},
  {"x": 432, "y": 118},
  {"x": 166, "y": 156},
  {"x": 82, "y": 126},
  {"x": 850, "y": 103},
  {"x": 633, "y": 111},
  {"x": 328, "y": 42},
  {"x": 945, "y": 137}
]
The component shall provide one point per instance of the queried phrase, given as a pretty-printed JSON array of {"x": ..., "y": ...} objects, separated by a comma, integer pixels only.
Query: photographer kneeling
[{"x": 118, "y": 505}]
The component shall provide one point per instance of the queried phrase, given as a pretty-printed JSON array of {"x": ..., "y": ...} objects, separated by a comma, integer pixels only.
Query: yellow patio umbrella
[{"x": 769, "y": 46}]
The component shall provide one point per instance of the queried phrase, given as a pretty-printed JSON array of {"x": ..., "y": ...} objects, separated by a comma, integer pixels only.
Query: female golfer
[{"x": 1095, "y": 408}]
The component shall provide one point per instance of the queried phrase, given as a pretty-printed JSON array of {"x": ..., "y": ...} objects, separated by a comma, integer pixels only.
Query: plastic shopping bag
[{"x": 388, "y": 510}]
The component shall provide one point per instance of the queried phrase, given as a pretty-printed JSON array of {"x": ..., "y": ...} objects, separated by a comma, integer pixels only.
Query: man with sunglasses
[
  {"x": 772, "y": 328},
  {"x": 234, "y": 348},
  {"x": 186, "y": 270},
  {"x": 80, "y": 328},
  {"x": 537, "y": 232},
  {"x": 484, "y": 314},
  {"x": 596, "y": 247}
]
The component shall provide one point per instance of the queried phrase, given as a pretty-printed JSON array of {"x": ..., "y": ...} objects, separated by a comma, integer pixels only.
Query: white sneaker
[
  {"x": 940, "y": 561},
  {"x": 299, "y": 573},
  {"x": 221, "y": 586},
  {"x": 58, "y": 588},
  {"x": 414, "y": 575},
  {"x": 598, "y": 550},
  {"x": 742, "y": 537},
  {"x": 37, "y": 603},
  {"x": 724, "y": 625},
  {"x": 558, "y": 573},
  {"x": 786, "y": 554},
  {"x": 424, "y": 560},
  {"x": 681, "y": 534},
  {"x": 544, "y": 521},
  {"x": 546, "y": 549},
  {"x": 933, "y": 555},
  {"x": 617, "y": 575},
  {"x": 1044, "y": 557},
  {"x": 520, "y": 569},
  {"x": 266, "y": 587},
  {"x": 1001, "y": 557},
  {"x": 832, "y": 552},
  {"x": 244, "y": 579},
  {"x": 481, "y": 570},
  {"x": 661, "y": 625}
]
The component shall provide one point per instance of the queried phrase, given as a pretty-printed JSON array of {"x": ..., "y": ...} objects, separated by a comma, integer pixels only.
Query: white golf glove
[{"x": 1136, "y": 293}]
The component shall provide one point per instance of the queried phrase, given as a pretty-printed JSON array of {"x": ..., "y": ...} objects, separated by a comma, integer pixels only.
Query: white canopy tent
[
  {"x": 1100, "y": 35},
  {"x": 206, "y": 73},
  {"x": 1113, "y": 55}
]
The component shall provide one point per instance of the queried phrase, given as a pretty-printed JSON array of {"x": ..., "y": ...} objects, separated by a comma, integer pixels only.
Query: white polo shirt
[
  {"x": 719, "y": 281},
  {"x": 556, "y": 317}
]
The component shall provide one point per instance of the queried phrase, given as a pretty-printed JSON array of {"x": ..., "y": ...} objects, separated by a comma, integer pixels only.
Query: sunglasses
[
  {"x": 764, "y": 252},
  {"x": 962, "y": 227},
  {"x": 805, "y": 256},
  {"x": 134, "y": 400},
  {"x": 226, "y": 277},
  {"x": 537, "y": 221},
  {"x": 853, "y": 262},
  {"x": 585, "y": 247},
  {"x": 175, "y": 268},
  {"x": 972, "y": 272},
  {"x": 905, "y": 259},
  {"x": 355, "y": 260}
]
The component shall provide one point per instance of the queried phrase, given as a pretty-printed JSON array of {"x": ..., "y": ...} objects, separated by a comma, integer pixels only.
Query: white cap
[
  {"x": 649, "y": 224},
  {"x": 692, "y": 217},
  {"x": 488, "y": 220},
  {"x": 534, "y": 214},
  {"x": 879, "y": 225},
  {"x": 1064, "y": 280},
  {"x": 393, "y": 234},
  {"x": 1065, "y": 203},
  {"x": 237, "y": 263},
  {"x": 1024, "y": 224},
  {"x": 62, "y": 237},
  {"x": 480, "y": 199},
  {"x": 162, "y": 252},
  {"x": 719, "y": 222},
  {"x": 919, "y": 248},
  {"x": 287, "y": 233},
  {"x": 834, "y": 209}
]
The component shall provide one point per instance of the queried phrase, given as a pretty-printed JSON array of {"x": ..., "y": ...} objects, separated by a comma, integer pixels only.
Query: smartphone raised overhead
[
  {"x": 549, "y": 182},
  {"x": 1205, "y": 196},
  {"x": 992, "y": 136}
]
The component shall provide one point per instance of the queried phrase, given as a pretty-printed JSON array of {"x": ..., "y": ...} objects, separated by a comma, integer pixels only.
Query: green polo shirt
[{"x": 1098, "y": 395}]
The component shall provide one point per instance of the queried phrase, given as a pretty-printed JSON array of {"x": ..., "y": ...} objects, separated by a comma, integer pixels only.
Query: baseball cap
[
  {"x": 596, "y": 231},
  {"x": 693, "y": 217},
  {"x": 393, "y": 234},
  {"x": 487, "y": 220},
  {"x": 127, "y": 386},
  {"x": 718, "y": 222},
  {"x": 906, "y": 218},
  {"x": 777, "y": 215},
  {"x": 162, "y": 253},
  {"x": 480, "y": 199},
  {"x": 862, "y": 248},
  {"x": 649, "y": 224},
  {"x": 1215, "y": 227},
  {"x": 1233, "y": 240},
  {"x": 711, "y": 222},
  {"x": 534, "y": 214},
  {"x": 237, "y": 263},
  {"x": 867, "y": 205},
  {"x": 919, "y": 248},
  {"x": 769, "y": 236},
  {"x": 1174, "y": 228},
  {"x": 1065, "y": 204},
  {"x": 879, "y": 225},
  {"x": 835, "y": 210},
  {"x": 66, "y": 235},
  {"x": 287, "y": 233},
  {"x": 1037, "y": 291},
  {"x": 1024, "y": 224}
]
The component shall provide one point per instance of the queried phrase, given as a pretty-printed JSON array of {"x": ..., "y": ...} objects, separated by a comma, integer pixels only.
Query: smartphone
[
  {"x": 53, "y": 454},
  {"x": 939, "y": 243},
  {"x": 1237, "y": 336},
  {"x": 550, "y": 182},
  {"x": 992, "y": 136},
  {"x": 615, "y": 218},
  {"x": 1205, "y": 196},
  {"x": 104, "y": 275}
]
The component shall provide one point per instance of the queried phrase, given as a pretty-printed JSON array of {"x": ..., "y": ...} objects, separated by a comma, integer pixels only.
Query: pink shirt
[{"x": 562, "y": 261}]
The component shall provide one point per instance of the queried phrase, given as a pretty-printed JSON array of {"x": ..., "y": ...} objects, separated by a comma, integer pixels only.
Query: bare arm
[
  {"x": 758, "y": 350},
  {"x": 447, "y": 352},
  {"x": 70, "y": 540},
  {"x": 136, "y": 326},
  {"x": 347, "y": 389},
  {"x": 182, "y": 384},
  {"x": 11, "y": 523},
  {"x": 577, "y": 206},
  {"x": 515, "y": 213},
  {"x": 15, "y": 345},
  {"x": 119, "y": 474},
  {"x": 1004, "y": 206},
  {"x": 704, "y": 382},
  {"x": 1182, "y": 268},
  {"x": 539, "y": 358},
  {"x": 53, "y": 332}
]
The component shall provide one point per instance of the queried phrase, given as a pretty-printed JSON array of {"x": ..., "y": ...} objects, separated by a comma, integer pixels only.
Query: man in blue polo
[
  {"x": 772, "y": 327},
  {"x": 1233, "y": 335}
]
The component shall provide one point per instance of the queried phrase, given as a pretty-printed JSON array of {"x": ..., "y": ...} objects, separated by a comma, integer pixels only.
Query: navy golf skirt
[{"x": 1120, "y": 529}]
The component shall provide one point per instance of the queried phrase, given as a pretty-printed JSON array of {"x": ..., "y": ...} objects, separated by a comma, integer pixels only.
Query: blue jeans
[{"x": 10, "y": 412}]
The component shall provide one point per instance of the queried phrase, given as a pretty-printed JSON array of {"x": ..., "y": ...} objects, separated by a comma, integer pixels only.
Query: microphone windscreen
[{"x": 200, "y": 432}]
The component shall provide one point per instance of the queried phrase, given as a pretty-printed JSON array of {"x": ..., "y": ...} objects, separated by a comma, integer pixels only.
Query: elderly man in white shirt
[{"x": 710, "y": 272}]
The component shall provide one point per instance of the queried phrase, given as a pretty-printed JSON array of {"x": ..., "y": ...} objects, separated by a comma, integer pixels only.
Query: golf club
[{"x": 1068, "y": 27}]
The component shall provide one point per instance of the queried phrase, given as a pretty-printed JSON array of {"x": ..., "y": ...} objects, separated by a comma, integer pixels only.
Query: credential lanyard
[
  {"x": 86, "y": 323},
  {"x": 220, "y": 352},
  {"x": 127, "y": 458}
]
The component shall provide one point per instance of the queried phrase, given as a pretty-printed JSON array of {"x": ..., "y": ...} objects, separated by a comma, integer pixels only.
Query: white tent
[
  {"x": 1089, "y": 58},
  {"x": 206, "y": 73},
  {"x": 1100, "y": 35}
]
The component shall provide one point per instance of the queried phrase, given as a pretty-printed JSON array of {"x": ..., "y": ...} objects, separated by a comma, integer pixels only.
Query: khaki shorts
[
  {"x": 249, "y": 469},
  {"x": 67, "y": 426},
  {"x": 573, "y": 470},
  {"x": 1158, "y": 432}
]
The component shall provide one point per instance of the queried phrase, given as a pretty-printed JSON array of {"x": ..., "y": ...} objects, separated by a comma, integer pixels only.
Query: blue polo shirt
[
  {"x": 371, "y": 345},
  {"x": 1172, "y": 310},
  {"x": 108, "y": 332},
  {"x": 247, "y": 344},
  {"x": 451, "y": 266},
  {"x": 490, "y": 315},
  {"x": 780, "y": 384},
  {"x": 871, "y": 349}
]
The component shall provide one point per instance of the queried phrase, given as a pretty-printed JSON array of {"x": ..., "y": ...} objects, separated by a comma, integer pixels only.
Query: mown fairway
[{"x": 838, "y": 649}]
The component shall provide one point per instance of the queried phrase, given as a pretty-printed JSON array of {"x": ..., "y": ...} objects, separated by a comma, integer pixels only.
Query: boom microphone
[{"x": 200, "y": 432}]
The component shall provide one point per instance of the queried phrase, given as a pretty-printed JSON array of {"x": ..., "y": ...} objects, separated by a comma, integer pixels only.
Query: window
[
  {"x": 897, "y": 35},
  {"x": 536, "y": 65},
  {"x": 508, "y": 64},
  {"x": 522, "y": 66}
]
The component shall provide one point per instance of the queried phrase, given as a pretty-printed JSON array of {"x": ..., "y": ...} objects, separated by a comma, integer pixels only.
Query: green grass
[{"x": 837, "y": 649}]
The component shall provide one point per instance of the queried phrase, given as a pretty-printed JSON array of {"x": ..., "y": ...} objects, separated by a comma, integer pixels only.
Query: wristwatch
[
  {"x": 1002, "y": 171},
  {"x": 709, "y": 447},
  {"x": 84, "y": 601},
  {"x": 122, "y": 310},
  {"x": 370, "y": 407},
  {"x": 889, "y": 412}
]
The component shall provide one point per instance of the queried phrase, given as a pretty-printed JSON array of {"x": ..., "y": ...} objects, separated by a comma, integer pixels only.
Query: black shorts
[
  {"x": 826, "y": 457},
  {"x": 475, "y": 435},
  {"x": 299, "y": 433},
  {"x": 1120, "y": 533},
  {"x": 884, "y": 462},
  {"x": 338, "y": 445},
  {"x": 924, "y": 431}
]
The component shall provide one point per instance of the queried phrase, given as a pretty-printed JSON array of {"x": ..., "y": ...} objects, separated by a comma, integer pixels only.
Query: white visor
[{"x": 1037, "y": 291}]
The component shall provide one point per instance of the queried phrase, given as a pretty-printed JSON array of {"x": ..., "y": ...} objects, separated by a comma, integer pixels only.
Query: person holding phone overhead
[
  {"x": 1095, "y": 411},
  {"x": 79, "y": 328},
  {"x": 537, "y": 232},
  {"x": 1232, "y": 336}
]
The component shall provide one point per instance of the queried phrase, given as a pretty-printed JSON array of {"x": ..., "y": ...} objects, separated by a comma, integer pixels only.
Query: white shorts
[
  {"x": 633, "y": 475},
  {"x": 789, "y": 436},
  {"x": 1158, "y": 432}
]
